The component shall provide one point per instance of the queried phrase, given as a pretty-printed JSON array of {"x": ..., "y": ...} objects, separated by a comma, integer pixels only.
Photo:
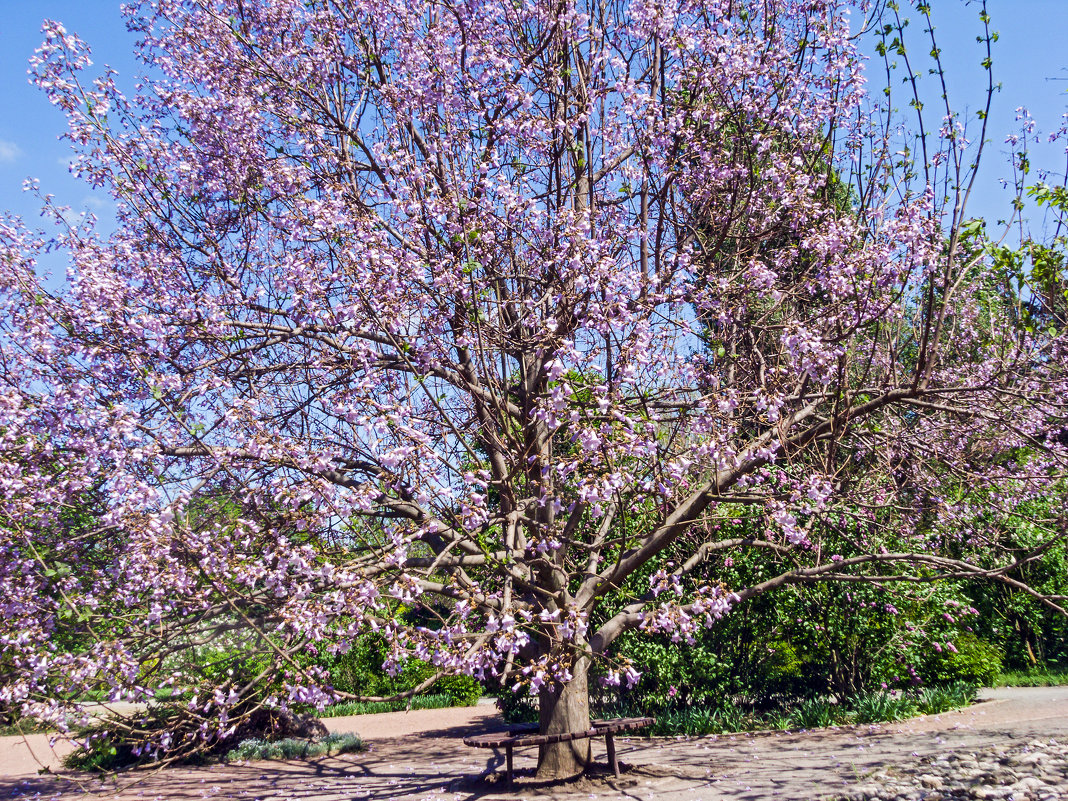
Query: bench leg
[
  {"x": 610, "y": 742},
  {"x": 508, "y": 757}
]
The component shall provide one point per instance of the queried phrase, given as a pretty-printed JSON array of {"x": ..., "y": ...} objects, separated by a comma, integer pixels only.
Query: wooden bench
[{"x": 523, "y": 735}]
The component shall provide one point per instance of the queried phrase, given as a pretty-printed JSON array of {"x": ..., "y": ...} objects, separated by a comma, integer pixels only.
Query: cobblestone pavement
[{"x": 1034, "y": 771}]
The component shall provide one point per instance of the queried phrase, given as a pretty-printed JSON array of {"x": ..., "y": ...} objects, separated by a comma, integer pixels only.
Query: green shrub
[
  {"x": 1025, "y": 631},
  {"x": 971, "y": 660},
  {"x": 781, "y": 672},
  {"x": 359, "y": 669},
  {"x": 330, "y": 745},
  {"x": 463, "y": 690},
  {"x": 517, "y": 707},
  {"x": 254, "y": 748}
]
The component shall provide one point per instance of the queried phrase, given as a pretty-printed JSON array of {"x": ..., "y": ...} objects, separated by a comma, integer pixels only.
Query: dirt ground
[{"x": 419, "y": 756}]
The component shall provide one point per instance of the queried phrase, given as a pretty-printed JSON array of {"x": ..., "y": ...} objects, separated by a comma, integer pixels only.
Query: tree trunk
[{"x": 564, "y": 709}]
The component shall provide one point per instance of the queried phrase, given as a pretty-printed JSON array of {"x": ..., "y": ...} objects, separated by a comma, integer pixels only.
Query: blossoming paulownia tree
[{"x": 479, "y": 308}]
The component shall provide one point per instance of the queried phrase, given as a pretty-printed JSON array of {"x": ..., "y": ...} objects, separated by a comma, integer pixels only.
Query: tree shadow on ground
[
  {"x": 376, "y": 775},
  {"x": 749, "y": 767}
]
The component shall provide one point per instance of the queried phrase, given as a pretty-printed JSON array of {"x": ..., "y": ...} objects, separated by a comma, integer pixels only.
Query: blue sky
[
  {"x": 29, "y": 125},
  {"x": 1031, "y": 62}
]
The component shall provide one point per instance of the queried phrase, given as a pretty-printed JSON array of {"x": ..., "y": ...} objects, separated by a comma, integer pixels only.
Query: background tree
[{"x": 419, "y": 294}]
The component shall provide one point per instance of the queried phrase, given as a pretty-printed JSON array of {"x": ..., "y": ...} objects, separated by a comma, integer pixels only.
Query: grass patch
[
  {"x": 942, "y": 698},
  {"x": 289, "y": 748},
  {"x": 698, "y": 721},
  {"x": 725, "y": 717},
  {"x": 26, "y": 726},
  {"x": 883, "y": 707},
  {"x": 817, "y": 713},
  {"x": 438, "y": 701},
  {"x": 1035, "y": 677}
]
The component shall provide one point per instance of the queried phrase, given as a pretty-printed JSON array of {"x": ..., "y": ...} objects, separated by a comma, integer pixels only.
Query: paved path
[{"x": 418, "y": 756}]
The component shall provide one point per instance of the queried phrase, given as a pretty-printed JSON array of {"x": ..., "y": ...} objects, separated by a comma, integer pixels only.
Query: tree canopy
[{"x": 448, "y": 321}]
